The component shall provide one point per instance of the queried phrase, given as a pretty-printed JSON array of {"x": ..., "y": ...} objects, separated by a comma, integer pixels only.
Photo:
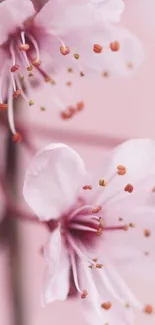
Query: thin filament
[
  {"x": 74, "y": 268},
  {"x": 1, "y": 83},
  {"x": 12, "y": 54},
  {"x": 23, "y": 54},
  {"x": 35, "y": 44},
  {"x": 10, "y": 109},
  {"x": 77, "y": 249},
  {"x": 82, "y": 227},
  {"x": 78, "y": 210},
  {"x": 124, "y": 287}
]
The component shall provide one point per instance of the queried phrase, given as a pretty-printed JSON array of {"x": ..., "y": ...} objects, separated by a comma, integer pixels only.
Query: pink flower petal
[
  {"x": 131, "y": 250},
  {"x": 116, "y": 315},
  {"x": 108, "y": 63},
  {"x": 53, "y": 180},
  {"x": 137, "y": 156},
  {"x": 109, "y": 10},
  {"x": 61, "y": 17},
  {"x": 135, "y": 209},
  {"x": 99, "y": 294},
  {"x": 58, "y": 270},
  {"x": 13, "y": 13}
]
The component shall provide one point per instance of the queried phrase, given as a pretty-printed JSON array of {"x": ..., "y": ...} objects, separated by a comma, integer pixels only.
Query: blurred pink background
[{"x": 116, "y": 108}]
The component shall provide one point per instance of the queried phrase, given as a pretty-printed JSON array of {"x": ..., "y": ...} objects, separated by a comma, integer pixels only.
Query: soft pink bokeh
[{"x": 120, "y": 108}]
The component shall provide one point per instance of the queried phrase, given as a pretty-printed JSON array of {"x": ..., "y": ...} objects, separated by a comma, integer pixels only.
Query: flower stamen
[
  {"x": 147, "y": 233},
  {"x": 3, "y": 106},
  {"x": 10, "y": 109},
  {"x": 106, "y": 305},
  {"x": 35, "y": 61},
  {"x": 17, "y": 93},
  {"x": 77, "y": 250},
  {"x": 129, "y": 188},
  {"x": 87, "y": 187},
  {"x": 99, "y": 266},
  {"x": 148, "y": 309},
  {"x": 121, "y": 170},
  {"x": 24, "y": 47},
  {"x": 64, "y": 50},
  {"x": 81, "y": 227},
  {"x": 114, "y": 46},
  {"x": 102, "y": 182},
  {"x": 17, "y": 137},
  {"x": 84, "y": 292},
  {"x": 96, "y": 209},
  {"x": 97, "y": 48},
  {"x": 14, "y": 68}
]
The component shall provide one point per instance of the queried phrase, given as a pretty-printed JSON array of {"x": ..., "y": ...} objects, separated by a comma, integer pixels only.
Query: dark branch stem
[{"x": 10, "y": 236}]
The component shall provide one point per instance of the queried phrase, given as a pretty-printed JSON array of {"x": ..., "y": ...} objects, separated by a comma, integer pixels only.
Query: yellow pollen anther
[
  {"x": 96, "y": 209},
  {"x": 24, "y": 47},
  {"x": 80, "y": 106},
  {"x": 148, "y": 309},
  {"x": 71, "y": 110},
  {"x": 3, "y": 106},
  {"x": 30, "y": 68},
  {"x": 147, "y": 233},
  {"x": 129, "y": 65},
  {"x": 99, "y": 266},
  {"x": 31, "y": 102},
  {"x": 43, "y": 108},
  {"x": 17, "y": 93},
  {"x": 76, "y": 56},
  {"x": 70, "y": 70},
  {"x": 30, "y": 75},
  {"x": 82, "y": 74},
  {"x": 49, "y": 80},
  {"x": 68, "y": 83},
  {"x": 84, "y": 294},
  {"x": 64, "y": 50},
  {"x": 101, "y": 222},
  {"x": 131, "y": 225},
  {"x": 106, "y": 305},
  {"x": 95, "y": 260},
  {"x": 66, "y": 115},
  {"x": 14, "y": 68},
  {"x": 128, "y": 188},
  {"x": 53, "y": 82},
  {"x": 87, "y": 187},
  {"x": 126, "y": 227},
  {"x": 99, "y": 231},
  {"x": 97, "y": 48},
  {"x": 114, "y": 46},
  {"x": 121, "y": 170},
  {"x": 17, "y": 137},
  {"x": 105, "y": 74},
  {"x": 102, "y": 182},
  {"x": 91, "y": 266},
  {"x": 36, "y": 62}
]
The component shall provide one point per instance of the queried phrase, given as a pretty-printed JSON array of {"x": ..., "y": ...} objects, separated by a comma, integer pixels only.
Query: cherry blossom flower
[
  {"x": 38, "y": 40},
  {"x": 95, "y": 223}
]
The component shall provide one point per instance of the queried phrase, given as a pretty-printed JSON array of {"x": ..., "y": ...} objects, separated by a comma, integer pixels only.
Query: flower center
[
  {"x": 22, "y": 57},
  {"x": 22, "y": 69}
]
